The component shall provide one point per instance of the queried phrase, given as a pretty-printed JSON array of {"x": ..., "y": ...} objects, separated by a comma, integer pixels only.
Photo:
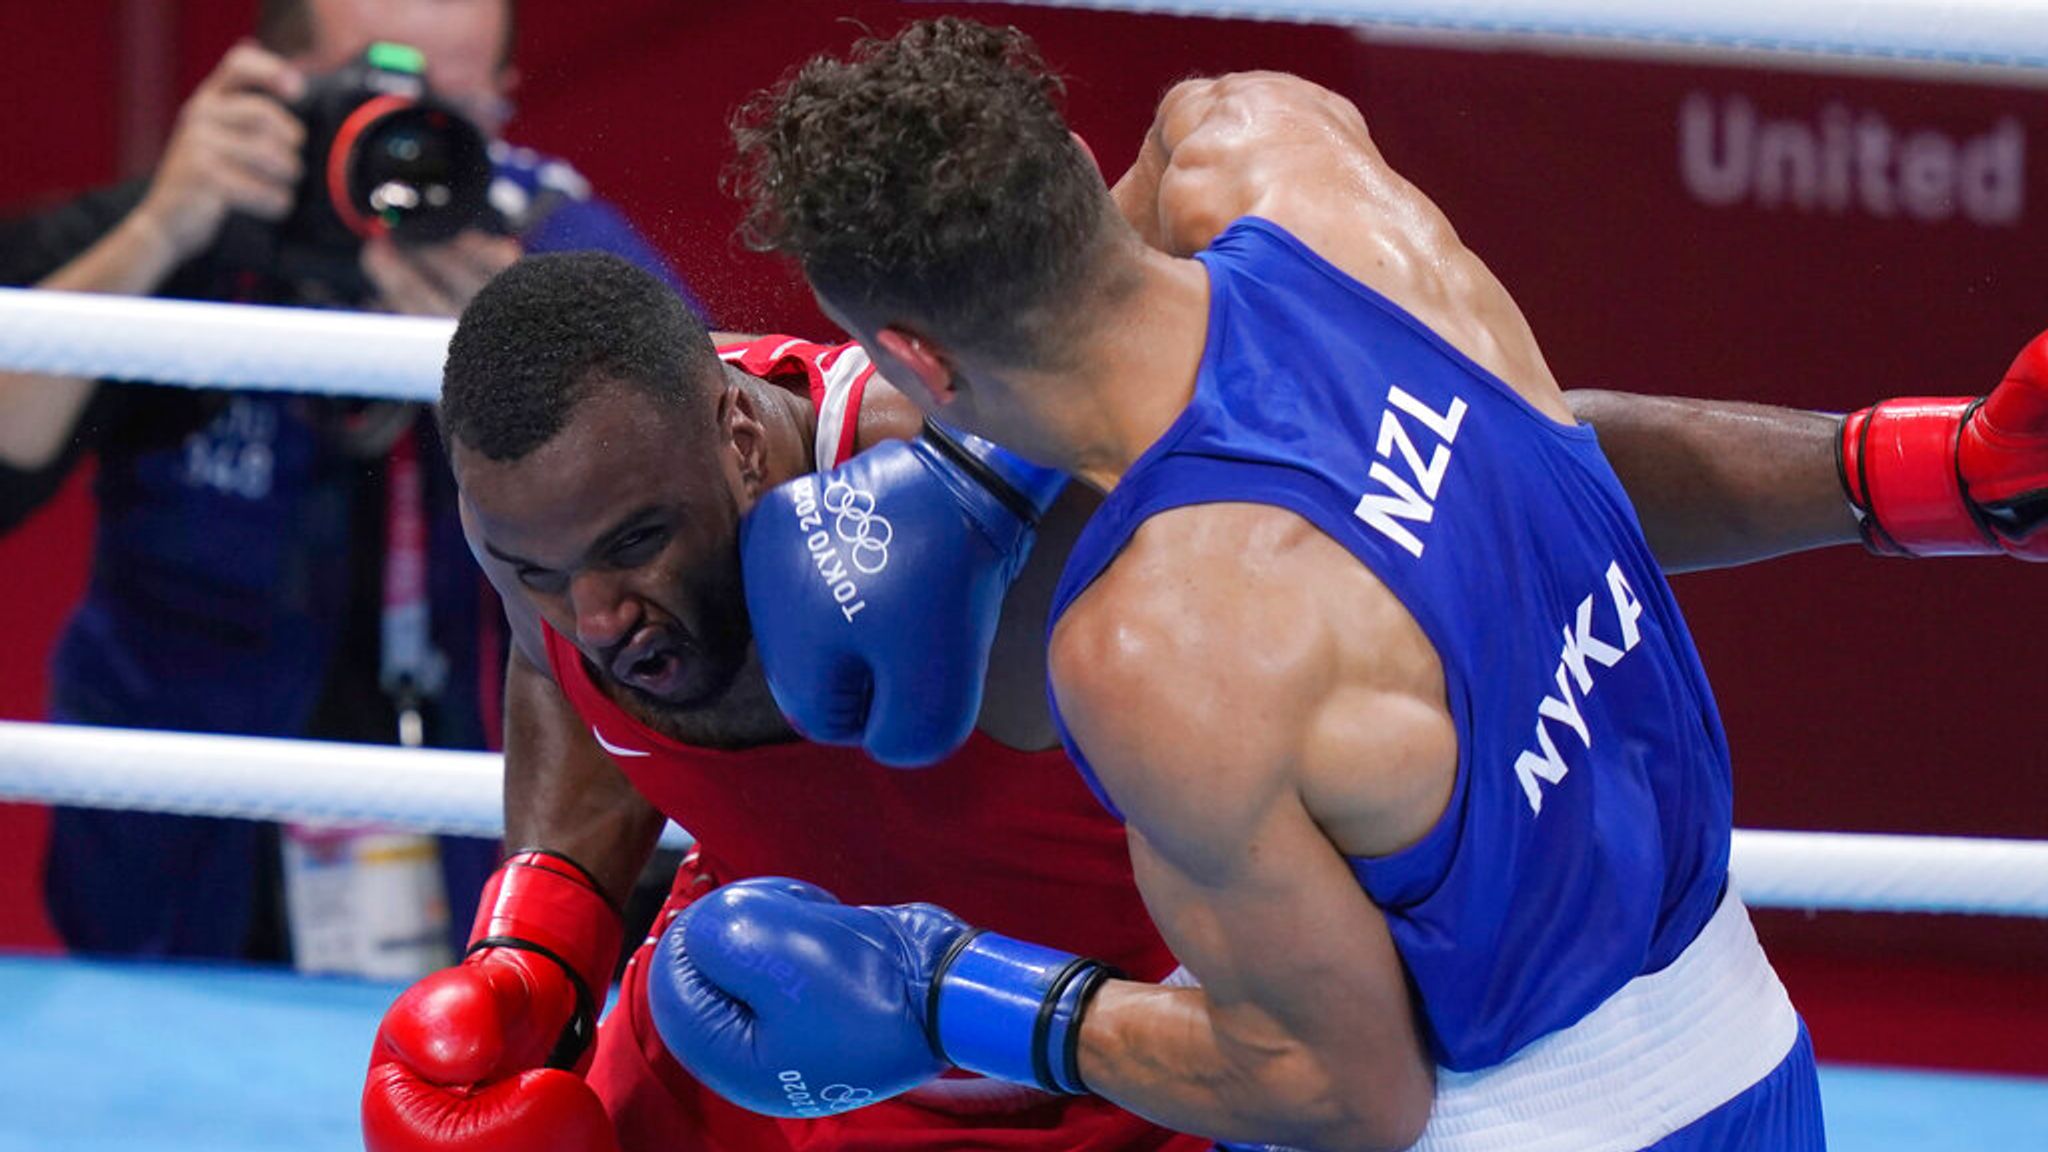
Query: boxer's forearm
[
  {"x": 1157, "y": 1051},
  {"x": 1718, "y": 483},
  {"x": 562, "y": 792}
]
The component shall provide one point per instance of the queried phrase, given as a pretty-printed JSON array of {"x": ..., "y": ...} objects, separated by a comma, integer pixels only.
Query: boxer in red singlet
[{"x": 606, "y": 456}]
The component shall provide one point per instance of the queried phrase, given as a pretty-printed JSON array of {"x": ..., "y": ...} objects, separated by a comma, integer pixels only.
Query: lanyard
[{"x": 410, "y": 669}]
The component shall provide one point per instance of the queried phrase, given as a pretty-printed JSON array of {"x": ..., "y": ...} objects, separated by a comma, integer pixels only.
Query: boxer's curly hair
[
  {"x": 547, "y": 331},
  {"x": 931, "y": 173}
]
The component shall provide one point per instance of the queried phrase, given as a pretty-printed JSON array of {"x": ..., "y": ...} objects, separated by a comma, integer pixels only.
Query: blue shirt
[{"x": 1586, "y": 840}]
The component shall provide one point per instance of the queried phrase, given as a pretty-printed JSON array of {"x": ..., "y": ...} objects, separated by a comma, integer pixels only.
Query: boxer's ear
[
  {"x": 745, "y": 442},
  {"x": 911, "y": 360}
]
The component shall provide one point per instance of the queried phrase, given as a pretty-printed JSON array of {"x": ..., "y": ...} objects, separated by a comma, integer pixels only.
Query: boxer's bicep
[
  {"x": 1303, "y": 1031},
  {"x": 1191, "y": 687},
  {"x": 1717, "y": 483}
]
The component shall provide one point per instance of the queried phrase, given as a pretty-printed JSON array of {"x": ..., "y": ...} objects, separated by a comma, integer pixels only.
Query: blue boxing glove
[
  {"x": 875, "y": 589},
  {"x": 789, "y": 1003}
]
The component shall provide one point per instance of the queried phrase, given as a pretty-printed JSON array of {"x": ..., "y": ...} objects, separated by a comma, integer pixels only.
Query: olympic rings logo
[
  {"x": 866, "y": 534},
  {"x": 844, "y": 1096}
]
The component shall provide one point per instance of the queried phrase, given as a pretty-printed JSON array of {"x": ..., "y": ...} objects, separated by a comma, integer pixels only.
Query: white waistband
[{"x": 1665, "y": 1050}]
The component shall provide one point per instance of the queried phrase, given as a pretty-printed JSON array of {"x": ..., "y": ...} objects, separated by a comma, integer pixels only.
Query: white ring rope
[
  {"x": 2010, "y": 33},
  {"x": 1860, "y": 872},
  {"x": 222, "y": 345},
  {"x": 253, "y": 778},
  {"x": 458, "y": 792}
]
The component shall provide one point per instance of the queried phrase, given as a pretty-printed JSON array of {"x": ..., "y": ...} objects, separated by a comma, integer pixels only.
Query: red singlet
[{"x": 1011, "y": 841}]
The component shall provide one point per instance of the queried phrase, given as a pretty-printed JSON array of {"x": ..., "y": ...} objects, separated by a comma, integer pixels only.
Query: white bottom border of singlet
[
  {"x": 1661, "y": 1053},
  {"x": 1664, "y": 1051}
]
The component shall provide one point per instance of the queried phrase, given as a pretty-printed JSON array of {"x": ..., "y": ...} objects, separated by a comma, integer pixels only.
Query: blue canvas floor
[{"x": 161, "y": 1058}]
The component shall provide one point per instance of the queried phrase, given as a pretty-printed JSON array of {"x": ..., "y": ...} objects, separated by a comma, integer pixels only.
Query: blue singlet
[{"x": 1586, "y": 842}]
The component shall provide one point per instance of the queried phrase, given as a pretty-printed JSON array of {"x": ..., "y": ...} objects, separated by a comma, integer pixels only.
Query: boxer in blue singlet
[
  {"x": 1417, "y": 761},
  {"x": 1421, "y": 776}
]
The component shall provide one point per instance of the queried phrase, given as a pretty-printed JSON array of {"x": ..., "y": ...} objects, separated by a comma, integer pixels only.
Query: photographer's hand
[
  {"x": 435, "y": 279},
  {"x": 235, "y": 148}
]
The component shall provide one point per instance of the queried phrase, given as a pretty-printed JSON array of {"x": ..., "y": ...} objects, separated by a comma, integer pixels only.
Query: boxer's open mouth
[
  {"x": 653, "y": 667},
  {"x": 652, "y": 662}
]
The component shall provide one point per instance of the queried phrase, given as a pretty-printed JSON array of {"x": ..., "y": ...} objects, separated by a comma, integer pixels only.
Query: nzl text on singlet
[{"x": 1586, "y": 841}]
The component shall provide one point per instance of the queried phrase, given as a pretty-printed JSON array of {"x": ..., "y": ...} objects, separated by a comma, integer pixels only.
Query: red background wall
[{"x": 1858, "y": 693}]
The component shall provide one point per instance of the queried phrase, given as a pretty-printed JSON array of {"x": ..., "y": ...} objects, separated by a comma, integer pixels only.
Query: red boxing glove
[
  {"x": 1955, "y": 476},
  {"x": 489, "y": 1054}
]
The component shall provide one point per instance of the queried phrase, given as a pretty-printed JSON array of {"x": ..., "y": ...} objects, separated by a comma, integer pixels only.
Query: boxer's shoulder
[
  {"x": 1300, "y": 156},
  {"x": 781, "y": 358},
  {"x": 856, "y": 407},
  {"x": 1234, "y": 651},
  {"x": 1247, "y": 143},
  {"x": 1243, "y": 115},
  {"x": 1191, "y": 637}
]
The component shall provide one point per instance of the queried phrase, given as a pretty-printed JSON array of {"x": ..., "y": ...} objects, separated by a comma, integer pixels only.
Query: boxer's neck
[
  {"x": 1138, "y": 359},
  {"x": 789, "y": 427}
]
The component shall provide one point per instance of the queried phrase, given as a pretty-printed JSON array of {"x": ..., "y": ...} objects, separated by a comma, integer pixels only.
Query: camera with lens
[{"x": 383, "y": 156}]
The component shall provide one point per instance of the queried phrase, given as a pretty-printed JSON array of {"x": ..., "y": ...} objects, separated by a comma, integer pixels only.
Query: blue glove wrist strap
[
  {"x": 1025, "y": 488},
  {"x": 1012, "y": 1010}
]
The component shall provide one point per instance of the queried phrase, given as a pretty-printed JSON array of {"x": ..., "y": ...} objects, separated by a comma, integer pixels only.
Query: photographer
[{"x": 220, "y": 600}]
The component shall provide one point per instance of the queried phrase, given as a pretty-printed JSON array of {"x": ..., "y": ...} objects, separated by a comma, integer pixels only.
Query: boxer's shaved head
[
  {"x": 605, "y": 456},
  {"x": 552, "y": 330}
]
